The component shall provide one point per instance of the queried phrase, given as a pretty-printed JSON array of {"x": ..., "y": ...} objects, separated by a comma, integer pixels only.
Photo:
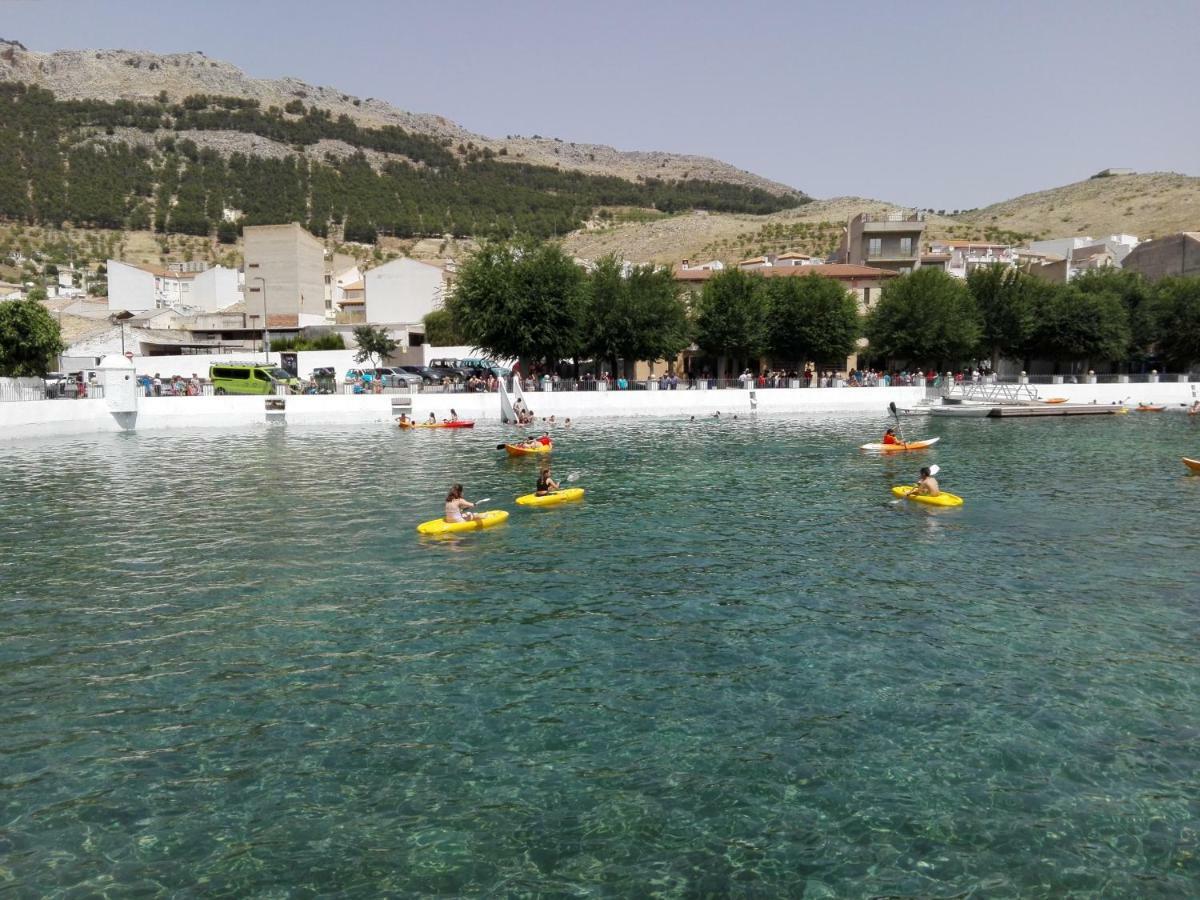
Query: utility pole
[{"x": 266, "y": 333}]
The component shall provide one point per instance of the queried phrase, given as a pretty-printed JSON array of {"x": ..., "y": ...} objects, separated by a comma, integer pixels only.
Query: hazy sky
[{"x": 931, "y": 103}]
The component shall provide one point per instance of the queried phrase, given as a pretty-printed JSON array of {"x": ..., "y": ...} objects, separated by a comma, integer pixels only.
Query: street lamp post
[{"x": 266, "y": 332}]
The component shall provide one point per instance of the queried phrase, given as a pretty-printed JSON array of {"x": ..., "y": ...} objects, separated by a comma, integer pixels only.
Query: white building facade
[{"x": 403, "y": 292}]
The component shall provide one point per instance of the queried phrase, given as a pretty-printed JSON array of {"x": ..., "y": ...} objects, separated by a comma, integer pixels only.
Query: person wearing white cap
[{"x": 927, "y": 484}]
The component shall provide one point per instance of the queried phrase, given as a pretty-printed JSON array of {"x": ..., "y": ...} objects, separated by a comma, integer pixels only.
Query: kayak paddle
[{"x": 896, "y": 416}]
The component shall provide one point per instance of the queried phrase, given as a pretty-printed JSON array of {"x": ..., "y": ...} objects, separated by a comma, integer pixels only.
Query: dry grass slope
[{"x": 1149, "y": 205}]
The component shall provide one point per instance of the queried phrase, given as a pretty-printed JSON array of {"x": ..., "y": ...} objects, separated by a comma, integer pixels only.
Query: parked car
[
  {"x": 446, "y": 373},
  {"x": 250, "y": 378},
  {"x": 485, "y": 367},
  {"x": 385, "y": 375},
  {"x": 394, "y": 376},
  {"x": 452, "y": 365},
  {"x": 426, "y": 374}
]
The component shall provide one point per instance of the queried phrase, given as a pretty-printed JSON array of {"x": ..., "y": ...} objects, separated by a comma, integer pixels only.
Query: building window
[
  {"x": 874, "y": 246},
  {"x": 906, "y": 246},
  {"x": 866, "y": 296}
]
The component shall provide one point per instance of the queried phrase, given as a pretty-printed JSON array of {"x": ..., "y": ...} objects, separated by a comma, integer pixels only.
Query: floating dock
[{"x": 1058, "y": 409}]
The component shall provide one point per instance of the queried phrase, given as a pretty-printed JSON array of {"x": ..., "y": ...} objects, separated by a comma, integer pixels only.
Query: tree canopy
[
  {"x": 731, "y": 316},
  {"x": 374, "y": 344},
  {"x": 633, "y": 316},
  {"x": 1075, "y": 325},
  {"x": 811, "y": 318},
  {"x": 1174, "y": 309},
  {"x": 927, "y": 317},
  {"x": 1003, "y": 299},
  {"x": 30, "y": 340},
  {"x": 521, "y": 300},
  {"x": 441, "y": 330}
]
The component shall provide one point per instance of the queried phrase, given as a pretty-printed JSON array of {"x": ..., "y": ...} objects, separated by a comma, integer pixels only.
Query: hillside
[
  {"x": 140, "y": 77},
  {"x": 1149, "y": 205}
]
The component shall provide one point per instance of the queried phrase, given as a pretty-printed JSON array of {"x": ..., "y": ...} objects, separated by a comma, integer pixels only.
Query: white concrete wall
[
  {"x": 129, "y": 287},
  {"x": 402, "y": 292},
  {"x": 61, "y": 417},
  {"x": 215, "y": 289}
]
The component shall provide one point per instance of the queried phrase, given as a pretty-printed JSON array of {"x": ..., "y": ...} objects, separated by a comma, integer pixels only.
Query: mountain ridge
[{"x": 133, "y": 75}]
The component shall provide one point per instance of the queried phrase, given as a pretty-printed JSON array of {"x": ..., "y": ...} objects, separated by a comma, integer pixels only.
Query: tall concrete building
[
  {"x": 289, "y": 263},
  {"x": 890, "y": 241},
  {"x": 1175, "y": 254}
]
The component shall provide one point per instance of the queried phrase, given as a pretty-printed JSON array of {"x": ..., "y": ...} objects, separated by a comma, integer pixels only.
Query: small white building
[
  {"x": 403, "y": 291},
  {"x": 139, "y": 288}
]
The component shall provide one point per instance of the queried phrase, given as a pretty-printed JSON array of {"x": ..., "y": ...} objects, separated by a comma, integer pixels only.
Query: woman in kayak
[
  {"x": 453, "y": 416},
  {"x": 432, "y": 419},
  {"x": 545, "y": 484},
  {"x": 927, "y": 484},
  {"x": 889, "y": 437},
  {"x": 458, "y": 509}
]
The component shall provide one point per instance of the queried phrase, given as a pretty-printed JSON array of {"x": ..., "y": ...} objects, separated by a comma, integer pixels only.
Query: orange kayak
[
  {"x": 1193, "y": 464},
  {"x": 1143, "y": 407},
  {"x": 896, "y": 448},
  {"x": 1056, "y": 400},
  {"x": 516, "y": 450}
]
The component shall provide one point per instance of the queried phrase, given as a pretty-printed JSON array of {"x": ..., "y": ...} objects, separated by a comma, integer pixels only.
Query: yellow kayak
[
  {"x": 563, "y": 495},
  {"x": 942, "y": 499},
  {"x": 481, "y": 521}
]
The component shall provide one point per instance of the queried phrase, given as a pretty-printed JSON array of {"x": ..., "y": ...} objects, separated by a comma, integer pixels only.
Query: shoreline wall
[{"x": 43, "y": 418}]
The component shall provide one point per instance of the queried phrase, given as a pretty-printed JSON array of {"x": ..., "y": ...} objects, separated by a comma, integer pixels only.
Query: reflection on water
[{"x": 228, "y": 661}]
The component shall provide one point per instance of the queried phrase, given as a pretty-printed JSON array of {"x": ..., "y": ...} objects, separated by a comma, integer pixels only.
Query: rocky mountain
[{"x": 112, "y": 75}]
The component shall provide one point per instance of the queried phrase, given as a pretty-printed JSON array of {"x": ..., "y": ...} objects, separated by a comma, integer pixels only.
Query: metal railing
[{"x": 14, "y": 390}]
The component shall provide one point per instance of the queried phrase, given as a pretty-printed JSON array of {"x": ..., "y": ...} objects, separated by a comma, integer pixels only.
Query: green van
[{"x": 250, "y": 378}]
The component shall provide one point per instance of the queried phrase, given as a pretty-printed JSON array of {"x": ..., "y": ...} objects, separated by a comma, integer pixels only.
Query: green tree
[
  {"x": 1175, "y": 313},
  {"x": 927, "y": 317},
  {"x": 30, "y": 339},
  {"x": 1077, "y": 326},
  {"x": 520, "y": 300},
  {"x": 441, "y": 329},
  {"x": 811, "y": 318},
  {"x": 1002, "y": 297},
  {"x": 633, "y": 316},
  {"x": 731, "y": 317},
  {"x": 374, "y": 344},
  {"x": 227, "y": 232},
  {"x": 1135, "y": 295}
]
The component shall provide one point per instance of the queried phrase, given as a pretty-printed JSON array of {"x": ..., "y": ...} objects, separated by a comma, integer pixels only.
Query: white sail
[
  {"x": 519, "y": 392},
  {"x": 507, "y": 415}
]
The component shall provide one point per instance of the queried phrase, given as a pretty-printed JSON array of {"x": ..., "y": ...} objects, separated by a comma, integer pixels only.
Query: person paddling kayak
[
  {"x": 457, "y": 508},
  {"x": 889, "y": 437},
  {"x": 927, "y": 484},
  {"x": 545, "y": 484}
]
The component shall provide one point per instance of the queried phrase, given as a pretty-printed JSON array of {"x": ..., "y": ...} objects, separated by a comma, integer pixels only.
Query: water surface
[{"x": 228, "y": 664}]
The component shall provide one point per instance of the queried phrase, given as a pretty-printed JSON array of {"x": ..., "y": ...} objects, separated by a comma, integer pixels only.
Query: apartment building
[
  {"x": 890, "y": 241},
  {"x": 285, "y": 275}
]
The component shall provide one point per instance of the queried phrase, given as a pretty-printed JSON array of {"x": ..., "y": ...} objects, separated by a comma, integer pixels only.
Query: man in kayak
[
  {"x": 544, "y": 440},
  {"x": 927, "y": 485},
  {"x": 545, "y": 484},
  {"x": 458, "y": 509},
  {"x": 889, "y": 437},
  {"x": 404, "y": 421}
]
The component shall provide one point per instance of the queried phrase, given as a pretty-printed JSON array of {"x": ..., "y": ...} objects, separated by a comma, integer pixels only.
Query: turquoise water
[{"x": 229, "y": 665}]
